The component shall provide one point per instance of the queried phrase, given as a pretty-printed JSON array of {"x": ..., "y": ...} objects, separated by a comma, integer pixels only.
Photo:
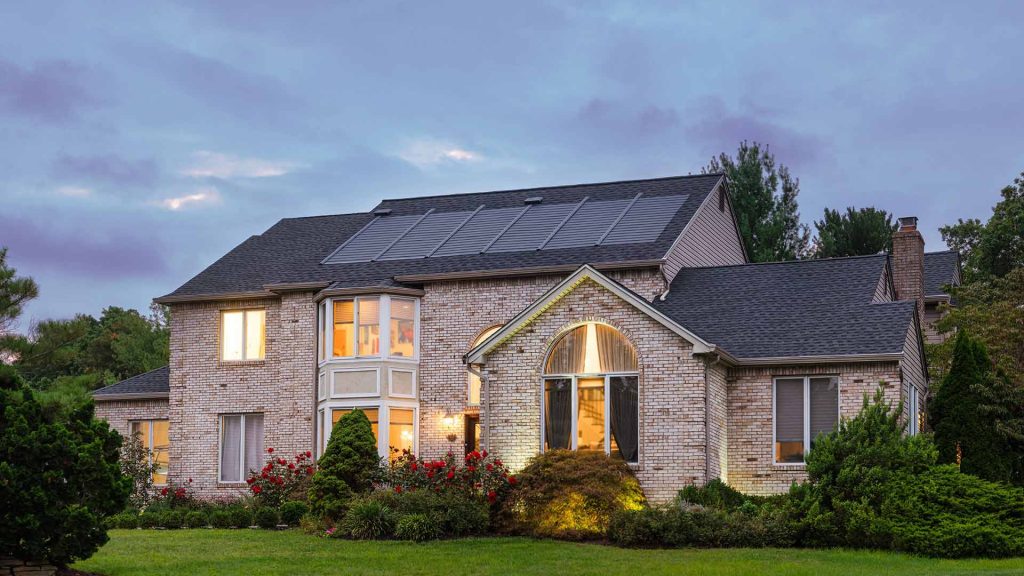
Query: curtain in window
[
  {"x": 253, "y": 443},
  {"x": 557, "y": 413},
  {"x": 569, "y": 354},
  {"x": 369, "y": 327},
  {"x": 789, "y": 419},
  {"x": 625, "y": 400},
  {"x": 824, "y": 405},
  {"x": 615, "y": 352},
  {"x": 230, "y": 448}
]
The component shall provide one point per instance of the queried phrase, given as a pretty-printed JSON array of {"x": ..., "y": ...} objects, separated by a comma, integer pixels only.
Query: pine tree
[{"x": 349, "y": 465}]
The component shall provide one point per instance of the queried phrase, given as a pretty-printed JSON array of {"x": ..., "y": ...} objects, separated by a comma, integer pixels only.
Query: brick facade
[{"x": 118, "y": 413}]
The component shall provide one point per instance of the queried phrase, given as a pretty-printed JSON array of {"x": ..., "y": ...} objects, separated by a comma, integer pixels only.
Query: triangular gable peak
[{"x": 563, "y": 288}]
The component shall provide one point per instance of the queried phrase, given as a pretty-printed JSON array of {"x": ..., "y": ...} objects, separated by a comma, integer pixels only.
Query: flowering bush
[
  {"x": 281, "y": 480},
  {"x": 478, "y": 474},
  {"x": 172, "y": 496}
]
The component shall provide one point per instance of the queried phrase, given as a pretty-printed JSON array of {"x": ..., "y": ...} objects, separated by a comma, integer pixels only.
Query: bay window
[
  {"x": 155, "y": 438},
  {"x": 368, "y": 327},
  {"x": 241, "y": 446},
  {"x": 393, "y": 435},
  {"x": 243, "y": 334},
  {"x": 403, "y": 327},
  {"x": 804, "y": 407},
  {"x": 591, "y": 393}
]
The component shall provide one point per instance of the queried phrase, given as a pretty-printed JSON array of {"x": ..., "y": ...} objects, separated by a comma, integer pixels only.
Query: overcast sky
[{"x": 140, "y": 141}]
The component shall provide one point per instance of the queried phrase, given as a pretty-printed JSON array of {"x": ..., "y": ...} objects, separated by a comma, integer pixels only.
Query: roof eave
[
  {"x": 356, "y": 291},
  {"x": 822, "y": 359},
  {"x": 213, "y": 297},
  {"x": 130, "y": 396}
]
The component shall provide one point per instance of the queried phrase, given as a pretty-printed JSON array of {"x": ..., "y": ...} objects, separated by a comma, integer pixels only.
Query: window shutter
[
  {"x": 789, "y": 410},
  {"x": 824, "y": 405}
]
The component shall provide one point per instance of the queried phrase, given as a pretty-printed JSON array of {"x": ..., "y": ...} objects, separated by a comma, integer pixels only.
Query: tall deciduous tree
[
  {"x": 997, "y": 246},
  {"x": 853, "y": 233},
  {"x": 764, "y": 199}
]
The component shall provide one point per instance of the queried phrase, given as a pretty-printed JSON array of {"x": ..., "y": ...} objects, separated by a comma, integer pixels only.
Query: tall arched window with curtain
[{"x": 591, "y": 393}]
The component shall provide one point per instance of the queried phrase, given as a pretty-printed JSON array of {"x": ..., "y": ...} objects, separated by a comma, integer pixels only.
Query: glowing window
[
  {"x": 403, "y": 328},
  {"x": 243, "y": 334},
  {"x": 474, "y": 380},
  {"x": 154, "y": 435},
  {"x": 401, "y": 431}
]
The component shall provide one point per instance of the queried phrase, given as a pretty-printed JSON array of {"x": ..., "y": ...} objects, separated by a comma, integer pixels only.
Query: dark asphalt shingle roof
[
  {"x": 940, "y": 269},
  {"x": 799, "y": 308},
  {"x": 152, "y": 382},
  {"x": 292, "y": 249}
]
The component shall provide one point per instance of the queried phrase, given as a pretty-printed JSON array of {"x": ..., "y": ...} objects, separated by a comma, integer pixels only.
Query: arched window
[{"x": 591, "y": 393}]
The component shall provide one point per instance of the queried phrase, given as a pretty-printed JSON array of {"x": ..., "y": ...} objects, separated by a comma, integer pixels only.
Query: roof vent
[
  {"x": 382, "y": 212},
  {"x": 534, "y": 200},
  {"x": 908, "y": 223}
]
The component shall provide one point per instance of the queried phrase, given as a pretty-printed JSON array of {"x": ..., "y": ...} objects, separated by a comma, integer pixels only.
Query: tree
[
  {"x": 996, "y": 247},
  {"x": 349, "y": 465},
  {"x": 15, "y": 292},
  {"x": 59, "y": 477},
  {"x": 964, "y": 432},
  {"x": 855, "y": 233},
  {"x": 768, "y": 218}
]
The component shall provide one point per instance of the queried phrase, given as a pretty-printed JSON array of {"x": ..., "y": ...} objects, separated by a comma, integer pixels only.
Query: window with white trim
[
  {"x": 243, "y": 334},
  {"x": 803, "y": 408},
  {"x": 914, "y": 420},
  {"x": 241, "y": 446},
  {"x": 155, "y": 437},
  {"x": 474, "y": 380}
]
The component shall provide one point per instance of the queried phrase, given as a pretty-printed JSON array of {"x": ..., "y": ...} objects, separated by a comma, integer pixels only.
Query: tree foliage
[
  {"x": 349, "y": 465},
  {"x": 972, "y": 413},
  {"x": 994, "y": 248},
  {"x": 59, "y": 477},
  {"x": 764, "y": 201},
  {"x": 15, "y": 292},
  {"x": 853, "y": 233}
]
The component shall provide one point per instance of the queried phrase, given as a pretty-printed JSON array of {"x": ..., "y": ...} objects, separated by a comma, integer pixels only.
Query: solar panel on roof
[
  {"x": 478, "y": 232},
  {"x": 425, "y": 236},
  {"x": 530, "y": 230},
  {"x": 368, "y": 242},
  {"x": 645, "y": 220},
  {"x": 588, "y": 224}
]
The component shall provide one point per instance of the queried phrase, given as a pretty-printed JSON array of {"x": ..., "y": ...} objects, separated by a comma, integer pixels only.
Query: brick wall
[
  {"x": 751, "y": 465},
  {"x": 118, "y": 413},
  {"x": 281, "y": 387},
  {"x": 908, "y": 266}
]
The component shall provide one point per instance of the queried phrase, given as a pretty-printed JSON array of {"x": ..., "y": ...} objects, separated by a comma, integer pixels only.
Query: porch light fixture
[{"x": 448, "y": 424}]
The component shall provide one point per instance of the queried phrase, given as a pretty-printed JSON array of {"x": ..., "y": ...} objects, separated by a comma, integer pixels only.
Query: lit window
[
  {"x": 322, "y": 328},
  {"x": 154, "y": 435},
  {"x": 344, "y": 328},
  {"x": 241, "y": 446},
  {"x": 804, "y": 408},
  {"x": 401, "y": 431},
  {"x": 243, "y": 334},
  {"x": 595, "y": 366},
  {"x": 474, "y": 380},
  {"x": 369, "y": 327},
  {"x": 403, "y": 328},
  {"x": 356, "y": 327}
]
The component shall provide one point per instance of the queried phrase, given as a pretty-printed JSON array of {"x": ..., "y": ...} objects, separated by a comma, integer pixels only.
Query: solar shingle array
[{"x": 533, "y": 226}]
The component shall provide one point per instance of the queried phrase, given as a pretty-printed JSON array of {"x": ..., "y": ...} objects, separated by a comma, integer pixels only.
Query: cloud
[
  {"x": 85, "y": 250},
  {"x": 74, "y": 191},
  {"x": 52, "y": 91},
  {"x": 427, "y": 152},
  {"x": 216, "y": 165},
  {"x": 204, "y": 195},
  {"x": 108, "y": 168}
]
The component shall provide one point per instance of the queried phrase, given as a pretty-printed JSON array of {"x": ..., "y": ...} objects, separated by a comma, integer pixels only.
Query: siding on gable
[
  {"x": 882, "y": 290},
  {"x": 711, "y": 239},
  {"x": 912, "y": 366}
]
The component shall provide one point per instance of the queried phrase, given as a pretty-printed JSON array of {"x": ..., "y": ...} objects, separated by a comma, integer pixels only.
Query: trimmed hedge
[{"x": 292, "y": 512}]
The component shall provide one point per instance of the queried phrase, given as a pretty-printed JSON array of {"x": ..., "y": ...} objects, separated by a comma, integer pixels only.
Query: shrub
[
  {"x": 177, "y": 496},
  {"x": 292, "y": 512},
  {"x": 172, "y": 519},
  {"x": 136, "y": 465},
  {"x": 126, "y": 520},
  {"x": 456, "y": 514},
  {"x": 349, "y": 465},
  {"x": 477, "y": 474},
  {"x": 368, "y": 520},
  {"x": 266, "y": 517},
  {"x": 151, "y": 518},
  {"x": 59, "y": 478},
  {"x": 240, "y": 517},
  {"x": 676, "y": 526},
  {"x": 417, "y": 527},
  {"x": 221, "y": 519},
  {"x": 718, "y": 495},
  {"x": 567, "y": 494},
  {"x": 196, "y": 519},
  {"x": 643, "y": 528},
  {"x": 280, "y": 479}
]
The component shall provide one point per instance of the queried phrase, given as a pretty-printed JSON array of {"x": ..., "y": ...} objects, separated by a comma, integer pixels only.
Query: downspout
[
  {"x": 487, "y": 403},
  {"x": 661, "y": 269}
]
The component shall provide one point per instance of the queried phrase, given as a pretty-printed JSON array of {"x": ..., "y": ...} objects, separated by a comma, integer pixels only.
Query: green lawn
[{"x": 253, "y": 552}]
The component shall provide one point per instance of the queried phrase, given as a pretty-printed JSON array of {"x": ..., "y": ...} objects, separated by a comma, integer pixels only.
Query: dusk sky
[{"x": 140, "y": 141}]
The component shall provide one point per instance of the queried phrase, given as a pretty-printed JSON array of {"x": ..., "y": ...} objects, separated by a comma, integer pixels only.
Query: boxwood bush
[
  {"x": 221, "y": 518},
  {"x": 240, "y": 517},
  {"x": 292, "y": 512},
  {"x": 196, "y": 519},
  {"x": 266, "y": 517}
]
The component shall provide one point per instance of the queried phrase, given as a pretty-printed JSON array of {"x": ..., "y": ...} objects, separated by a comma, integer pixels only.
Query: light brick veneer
[
  {"x": 751, "y": 465},
  {"x": 118, "y": 413},
  {"x": 282, "y": 386}
]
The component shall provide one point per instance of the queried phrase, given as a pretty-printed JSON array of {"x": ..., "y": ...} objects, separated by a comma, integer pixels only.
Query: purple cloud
[
  {"x": 616, "y": 123},
  {"x": 107, "y": 168},
  {"x": 50, "y": 91},
  {"x": 85, "y": 251}
]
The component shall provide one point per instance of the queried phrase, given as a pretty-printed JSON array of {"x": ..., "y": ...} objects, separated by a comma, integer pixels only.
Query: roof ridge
[
  {"x": 139, "y": 375},
  {"x": 796, "y": 261},
  {"x": 583, "y": 185},
  {"x": 941, "y": 252}
]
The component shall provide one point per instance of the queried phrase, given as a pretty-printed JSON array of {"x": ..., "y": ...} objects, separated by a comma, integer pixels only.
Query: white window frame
[
  {"x": 241, "y": 447},
  {"x": 384, "y": 319},
  {"x": 149, "y": 450},
  {"x": 320, "y": 441},
  {"x": 321, "y": 386},
  {"x": 326, "y": 412},
  {"x": 374, "y": 394},
  {"x": 807, "y": 412},
  {"x": 574, "y": 434},
  {"x": 489, "y": 331},
  {"x": 912, "y": 409},
  {"x": 391, "y": 388},
  {"x": 245, "y": 332}
]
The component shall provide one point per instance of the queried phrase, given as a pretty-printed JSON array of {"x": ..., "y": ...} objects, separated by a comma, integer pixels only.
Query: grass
[{"x": 254, "y": 552}]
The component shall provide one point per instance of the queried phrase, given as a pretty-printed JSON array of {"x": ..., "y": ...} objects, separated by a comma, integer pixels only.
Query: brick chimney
[{"x": 908, "y": 263}]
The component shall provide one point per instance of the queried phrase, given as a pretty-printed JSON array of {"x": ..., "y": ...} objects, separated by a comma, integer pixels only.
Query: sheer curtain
[
  {"x": 616, "y": 353},
  {"x": 569, "y": 354},
  {"x": 557, "y": 413},
  {"x": 253, "y": 443},
  {"x": 625, "y": 401},
  {"x": 230, "y": 448}
]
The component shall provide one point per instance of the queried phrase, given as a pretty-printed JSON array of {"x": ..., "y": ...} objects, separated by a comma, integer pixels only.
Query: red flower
[
  {"x": 309, "y": 454},
  {"x": 492, "y": 496},
  {"x": 484, "y": 454},
  {"x": 430, "y": 474},
  {"x": 256, "y": 489},
  {"x": 471, "y": 468},
  {"x": 512, "y": 480},
  {"x": 412, "y": 466},
  {"x": 264, "y": 475},
  {"x": 490, "y": 467},
  {"x": 451, "y": 474},
  {"x": 291, "y": 466},
  {"x": 163, "y": 492},
  {"x": 189, "y": 480},
  {"x": 398, "y": 489},
  {"x": 270, "y": 450}
]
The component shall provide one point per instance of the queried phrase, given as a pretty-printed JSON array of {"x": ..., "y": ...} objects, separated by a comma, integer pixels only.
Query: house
[{"x": 620, "y": 317}]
